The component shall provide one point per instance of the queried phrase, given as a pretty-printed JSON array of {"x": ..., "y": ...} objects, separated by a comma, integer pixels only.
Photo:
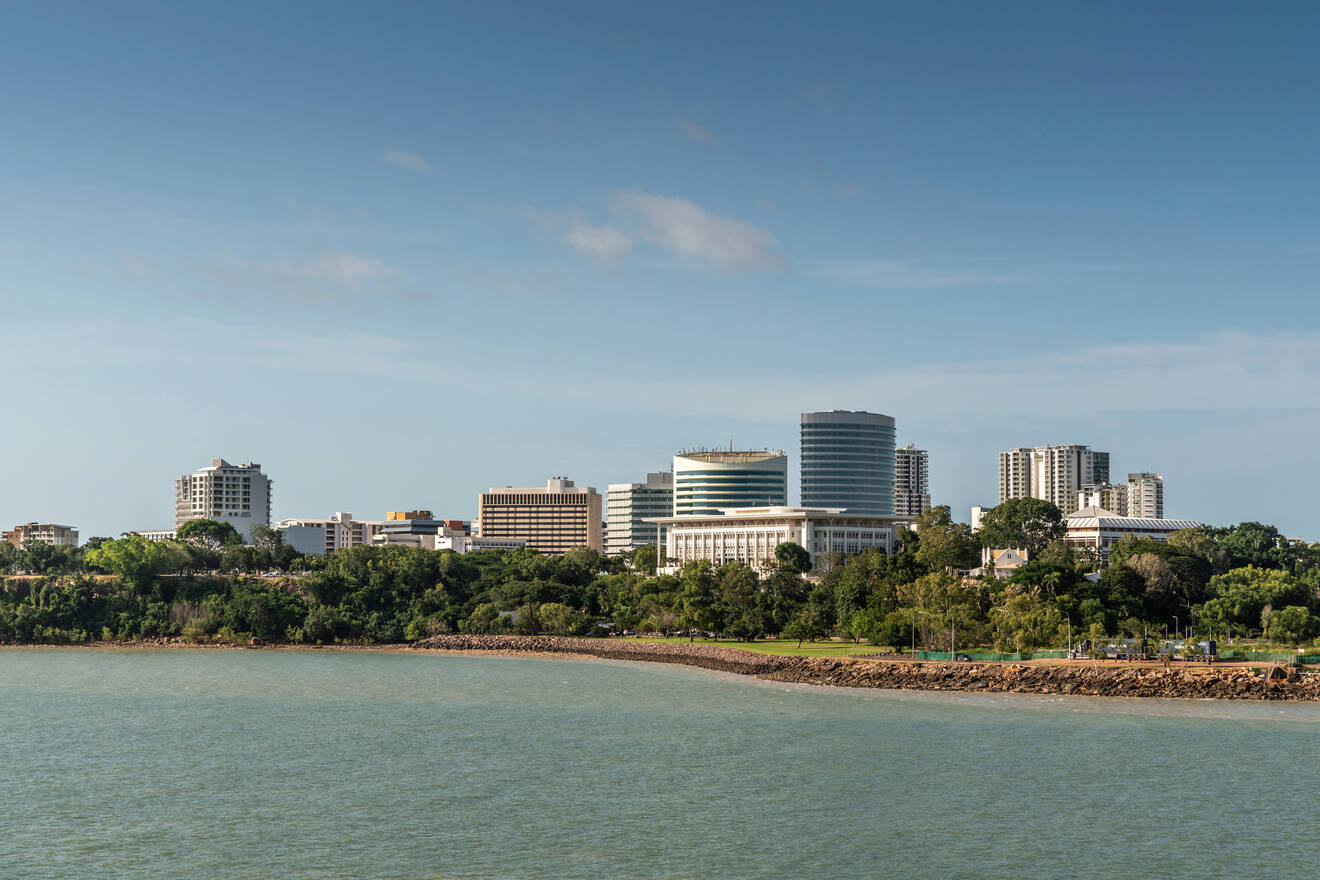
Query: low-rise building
[
  {"x": 156, "y": 535},
  {"x": 1097, "y": 529},
  {"x": 316, "y": 537},
  {"x": 751, "y": 534},
  {"x": 45, "y": 533}
]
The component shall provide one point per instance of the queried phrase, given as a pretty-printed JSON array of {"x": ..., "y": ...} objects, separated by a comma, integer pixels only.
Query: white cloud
[
  {"x": 696, "y": 133},
  {"x": 602, "y": 244},
  {"x": 897, "y": 274},
  {"x": 411, "y": 161},
  {"x": 328, "y": 276},
  {"x": 692, "y": 233}
]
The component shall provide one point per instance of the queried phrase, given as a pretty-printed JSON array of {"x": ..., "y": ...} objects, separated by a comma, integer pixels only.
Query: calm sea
[{"x": 255, "y": 764}]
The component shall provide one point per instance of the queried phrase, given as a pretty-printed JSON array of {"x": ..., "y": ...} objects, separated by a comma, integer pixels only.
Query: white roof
[{"x": 1098, "y": 517}]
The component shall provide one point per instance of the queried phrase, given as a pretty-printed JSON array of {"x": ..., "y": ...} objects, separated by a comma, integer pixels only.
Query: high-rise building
[
  {"x": 911, "y": 481},
  {"x": 238, "y": 494},
  {"x": 848, "y": 461},
  {"x": 1145, "y": 496},
  {"x": 1052, "y": 473},
  {"x": 708, "y": 480},
  {"x": 1106, "y": 496},
  {"x": 628, "y": 505},
  {"x": 43, "y": 533},
  {"x": 554, "y": 519}
]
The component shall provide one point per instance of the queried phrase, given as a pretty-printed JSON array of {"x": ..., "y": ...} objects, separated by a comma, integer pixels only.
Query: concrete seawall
[{"x": 1081, "y": 679}]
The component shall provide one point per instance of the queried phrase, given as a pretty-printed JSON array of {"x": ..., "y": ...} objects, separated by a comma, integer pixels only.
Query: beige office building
[{"x": 551, "y": 520}]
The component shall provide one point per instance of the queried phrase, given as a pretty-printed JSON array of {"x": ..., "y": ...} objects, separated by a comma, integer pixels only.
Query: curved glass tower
[
  {"x": 848, "y": 461},
  {"x": 706, "y": 481}
]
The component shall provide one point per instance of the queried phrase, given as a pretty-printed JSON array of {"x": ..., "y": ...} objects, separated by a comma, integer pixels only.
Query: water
[{"x": 254, "y": 764}]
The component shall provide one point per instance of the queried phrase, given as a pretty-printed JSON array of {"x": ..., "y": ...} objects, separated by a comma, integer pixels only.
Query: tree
[
  {"x": 944, "y": 545},
  {"x": 644, "y": 558},
  {"x": 265, "y": 537},
  {"x": 137, "y": 561},
  {"x": 790, "y": 556},
  {"x": 1022, "y": 523},
  {"x": 209, "y": 533}
]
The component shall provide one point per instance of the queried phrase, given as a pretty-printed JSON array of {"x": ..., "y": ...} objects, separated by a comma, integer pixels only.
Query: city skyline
[{"x": 575, "y": 240}]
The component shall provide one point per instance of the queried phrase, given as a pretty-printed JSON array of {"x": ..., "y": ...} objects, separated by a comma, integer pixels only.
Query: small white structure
[
  {"x": 156, "y": 535},
  {"x": 751, "y": 534}
]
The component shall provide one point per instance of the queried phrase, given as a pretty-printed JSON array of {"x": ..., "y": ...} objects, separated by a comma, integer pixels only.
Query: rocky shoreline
[{"x": 1081, "y": 679}]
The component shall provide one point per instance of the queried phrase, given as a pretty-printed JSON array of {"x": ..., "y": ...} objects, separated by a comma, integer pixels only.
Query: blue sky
[{"x": 399, "y": 253}]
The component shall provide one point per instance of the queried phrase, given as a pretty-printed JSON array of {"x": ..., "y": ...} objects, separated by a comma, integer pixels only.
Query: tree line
[{"x": 1247, "y": 581}]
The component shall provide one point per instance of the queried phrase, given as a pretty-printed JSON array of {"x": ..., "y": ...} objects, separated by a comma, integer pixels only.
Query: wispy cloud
[
  {"x": 1216, "y": 373},
  {"x": 410, "y": 161},
  {"x": 327, "y": 276},
  {"x": 696, "y": 133},
  {"x": 604, "y": 245},
  {"x": 696, "y": 235},
  {"x": 900, "y": 275}
]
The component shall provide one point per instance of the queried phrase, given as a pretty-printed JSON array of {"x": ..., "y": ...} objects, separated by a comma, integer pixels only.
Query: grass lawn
[{"x": 785, "y": 647}]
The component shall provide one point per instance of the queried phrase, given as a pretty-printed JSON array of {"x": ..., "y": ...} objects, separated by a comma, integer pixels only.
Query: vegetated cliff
[{"x": 1080, "y": 679}]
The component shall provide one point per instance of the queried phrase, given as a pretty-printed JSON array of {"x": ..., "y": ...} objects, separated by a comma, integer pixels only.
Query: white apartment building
[
  {"x": 316, "y": 537},
  {"x": 911, "y": 481},
  {"x": 1145, "y": 495},
  {"x": 42, "y": 533},
  {"x": 628, "y": 506},
  {"x": 238, "y": 494},
  {"x": 1051, "y": 473},
  {"x": 1142, "y": 496},
  {"x": 751, "y": 534},
  {"x": 1105, "y": 495}
]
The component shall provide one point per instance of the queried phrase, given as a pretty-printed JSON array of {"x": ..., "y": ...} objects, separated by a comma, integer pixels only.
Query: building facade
[
  {"x": 911, "y": 482},
  {"x": 848, "y": 461},
  {"x": 156, "y": 535},
  {"x": 238, "y": 494},
  {"x": 629, "y": 505},
  {"x": 707, "y": 480},
  {"x": 1097, "y": 529},
  {"x": 1051, "y": 473},
  {"x": 42, "y": 533},
  {"x": 551, "y": 520},
  {"x": 1145, "y": 495},
  {"x": 1105, "y": 495},
  {"x": 317, "y": 537},
  {"x": 751, "y": 534}
]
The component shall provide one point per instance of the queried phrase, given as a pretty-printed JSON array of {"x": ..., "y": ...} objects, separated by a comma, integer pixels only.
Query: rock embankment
[
  {"x": 706, "y": 656},
  {"x": 1082, "y": 679}
]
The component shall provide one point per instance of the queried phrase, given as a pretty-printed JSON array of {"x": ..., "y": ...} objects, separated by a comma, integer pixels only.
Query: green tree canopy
[
  {"x": 944, "y": 545},
  {"x": 137, "y": 561},
  {"x": 209, "y": 533},
  {"x": 1022, "y": 523}
]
